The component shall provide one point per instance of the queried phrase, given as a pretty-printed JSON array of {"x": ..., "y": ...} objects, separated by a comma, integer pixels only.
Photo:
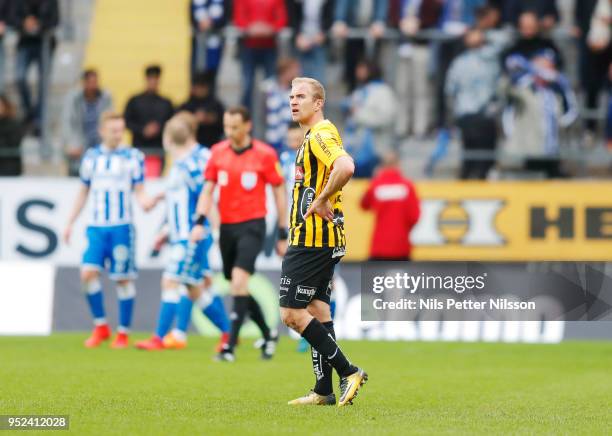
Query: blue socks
[
  {"x": 125, "y": 294},
  {"x": 95, "y": 299},
  {"x": 215, "y": 311},
  {"x": 211, "y": 306},
  {"x": 176, "y": 303},
  {"x": 184, "y": 313},
  {"x": 167, "y": 311}
]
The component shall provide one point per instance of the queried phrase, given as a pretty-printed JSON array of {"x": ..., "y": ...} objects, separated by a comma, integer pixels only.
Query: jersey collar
[
  {"x": 241, "y": 151},
  {"x": 324, "y": 120},
  {"x": 104, "y": 149}
]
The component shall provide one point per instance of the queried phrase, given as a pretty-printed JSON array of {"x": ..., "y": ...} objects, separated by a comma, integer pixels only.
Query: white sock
[{"x": 180, "y": 335}]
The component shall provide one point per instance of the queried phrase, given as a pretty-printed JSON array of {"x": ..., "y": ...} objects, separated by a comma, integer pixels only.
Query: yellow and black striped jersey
[{"x": 322, "y": 145}]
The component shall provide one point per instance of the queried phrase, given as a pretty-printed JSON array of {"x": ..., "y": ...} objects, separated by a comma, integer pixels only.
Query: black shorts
[
  {"x": 240, "y": 244},
  {"x": 306, "y": 275}
]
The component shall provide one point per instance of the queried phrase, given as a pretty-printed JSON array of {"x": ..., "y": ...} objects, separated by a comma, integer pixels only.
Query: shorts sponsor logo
[
  {"x": 307, "y": 199},
  {"x": 285, "y": 280},
  {"x": 338, "y": 252},
  {"x": 304, "y": 293},
  {"x": 283, "y": 292},
  {"x": 248, "y": 179},
  {"x": 121, "y": 253}
]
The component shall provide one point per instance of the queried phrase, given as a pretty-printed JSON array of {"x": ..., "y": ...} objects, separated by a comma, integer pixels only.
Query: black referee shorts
[
  {"x": 240, "y": 243},
  {"x": 306, "y": 275}
]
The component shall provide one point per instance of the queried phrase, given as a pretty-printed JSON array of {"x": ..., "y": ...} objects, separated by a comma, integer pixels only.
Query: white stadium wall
[{"x": 40, "y": 293}]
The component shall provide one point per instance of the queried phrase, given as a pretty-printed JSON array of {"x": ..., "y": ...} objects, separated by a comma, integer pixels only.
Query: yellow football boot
[
  {"x": 314, "y": 399},
  {"x": 349, "y": 386}
]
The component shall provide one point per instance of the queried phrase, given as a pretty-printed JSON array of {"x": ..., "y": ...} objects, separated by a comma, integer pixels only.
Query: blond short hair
[
  {"x": 188, "y": 118},
  {"x": 181, "y": 128},
  {"x": 110, "y": 116},
  {"x": 318, "y": 91}
]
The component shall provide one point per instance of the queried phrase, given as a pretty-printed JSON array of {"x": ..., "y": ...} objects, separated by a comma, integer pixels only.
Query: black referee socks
[
  {"x": 321, "y": 367},
  {"x": 258, "y": 318},
  {"x": 322, "y": 341},
  {"x": 241, "y": 307}
]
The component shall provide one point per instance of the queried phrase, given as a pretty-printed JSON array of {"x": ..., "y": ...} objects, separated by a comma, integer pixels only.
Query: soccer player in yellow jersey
[{"x": 316, "y": 244}]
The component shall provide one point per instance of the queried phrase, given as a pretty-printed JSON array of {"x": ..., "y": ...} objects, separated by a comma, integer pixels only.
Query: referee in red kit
[{"x": 242, "y": 166}]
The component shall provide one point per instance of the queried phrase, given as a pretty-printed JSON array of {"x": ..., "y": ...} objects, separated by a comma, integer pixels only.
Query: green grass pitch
[{"x": 423, "y": 388}]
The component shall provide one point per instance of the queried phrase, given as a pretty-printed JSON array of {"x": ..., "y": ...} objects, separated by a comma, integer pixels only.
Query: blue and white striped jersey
[
  {"x": 278, "y": 115},
  {"x": 184, "y": 184},
  {"x": 287, "y": 161},
  {"x": 111, "y": 175}
]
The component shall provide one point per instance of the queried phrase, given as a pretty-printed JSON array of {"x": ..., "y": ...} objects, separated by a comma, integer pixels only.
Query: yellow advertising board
[{"x": 498, "y": 221}]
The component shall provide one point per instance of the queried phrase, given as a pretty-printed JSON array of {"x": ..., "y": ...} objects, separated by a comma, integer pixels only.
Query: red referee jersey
[{"x": 242, "y": 178}]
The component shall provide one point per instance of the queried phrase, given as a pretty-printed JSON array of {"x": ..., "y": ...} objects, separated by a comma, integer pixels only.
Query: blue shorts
[
  {"x": 188, "y": 261},
  {"x": 113, "y": 246}
]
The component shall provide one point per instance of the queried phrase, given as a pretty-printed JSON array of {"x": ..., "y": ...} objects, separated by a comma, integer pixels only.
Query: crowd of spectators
[
  {"x": 485, "y": 69},
  {"x": 34, "y": 22},
  {"x": 82, "y": 110},
  {"x": 10, "y": 136}
]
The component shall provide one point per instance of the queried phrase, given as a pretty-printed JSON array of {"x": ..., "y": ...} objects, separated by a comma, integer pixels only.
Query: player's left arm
[
  {"x": 160, "y": 239},
  {"x": 327, "y": 147},
  {"x": 342, "y": 171},
  {"x": 137, "y": 173},
  {"x": 145, "y": 200}
]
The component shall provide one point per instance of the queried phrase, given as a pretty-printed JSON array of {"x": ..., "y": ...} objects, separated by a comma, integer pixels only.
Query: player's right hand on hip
[
  {"x": 197, "y": 233},
  {"x": 321, "y": 208}
]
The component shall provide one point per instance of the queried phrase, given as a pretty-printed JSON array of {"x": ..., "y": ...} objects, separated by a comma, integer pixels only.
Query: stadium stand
[{"x": 93, "y": 34}]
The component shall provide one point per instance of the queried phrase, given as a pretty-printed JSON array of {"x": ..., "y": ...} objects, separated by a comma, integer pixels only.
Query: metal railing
[{"x": 232, "y": 35}]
